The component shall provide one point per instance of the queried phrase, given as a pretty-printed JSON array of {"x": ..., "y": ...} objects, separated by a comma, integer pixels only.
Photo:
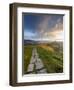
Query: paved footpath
[{"x": 36, "y": 64}]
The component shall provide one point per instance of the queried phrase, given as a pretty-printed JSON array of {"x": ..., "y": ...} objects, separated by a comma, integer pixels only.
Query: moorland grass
[
  {"x": 52, "y": 61},
  {"x": 27, "y": 56}
]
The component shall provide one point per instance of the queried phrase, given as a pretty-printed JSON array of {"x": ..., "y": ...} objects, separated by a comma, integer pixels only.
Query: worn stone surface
[
  {"x": 30, "y": 67},
  {"x": 36, "y": 64}
]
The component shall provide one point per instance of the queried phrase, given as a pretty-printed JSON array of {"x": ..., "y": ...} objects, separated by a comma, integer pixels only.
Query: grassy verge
[
  {"x": 27, "y": 56},
  {"x": 53, "y": 61}
]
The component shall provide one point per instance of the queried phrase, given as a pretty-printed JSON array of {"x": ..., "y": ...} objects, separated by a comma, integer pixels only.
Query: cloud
[
  {"x": 45, "y": 27},
  {"x": 53, "y": 33},
  {"x": 42, "y": 26}
]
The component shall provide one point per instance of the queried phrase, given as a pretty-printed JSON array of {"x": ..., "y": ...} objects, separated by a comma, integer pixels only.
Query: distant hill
[
  {"x": 29, "y": 42},
  {"x": 40, "y": 42},
  {"x": 34, "y": 42}
]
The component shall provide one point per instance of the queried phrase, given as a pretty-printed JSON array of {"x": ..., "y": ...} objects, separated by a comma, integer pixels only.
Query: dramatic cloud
[{"x": 43, "y": 27}]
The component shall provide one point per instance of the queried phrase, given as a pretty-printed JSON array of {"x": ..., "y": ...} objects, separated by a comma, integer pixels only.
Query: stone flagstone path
[{"x": 36, "y": 64}]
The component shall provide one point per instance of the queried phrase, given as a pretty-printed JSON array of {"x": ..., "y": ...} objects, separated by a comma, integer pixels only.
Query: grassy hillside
[
  {"x": 51, "y": 55},
  {"x": 53, "y": 61}
]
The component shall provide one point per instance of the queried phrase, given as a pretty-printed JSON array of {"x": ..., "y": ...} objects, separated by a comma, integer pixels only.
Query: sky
[{"x": 43, "y": 27}]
